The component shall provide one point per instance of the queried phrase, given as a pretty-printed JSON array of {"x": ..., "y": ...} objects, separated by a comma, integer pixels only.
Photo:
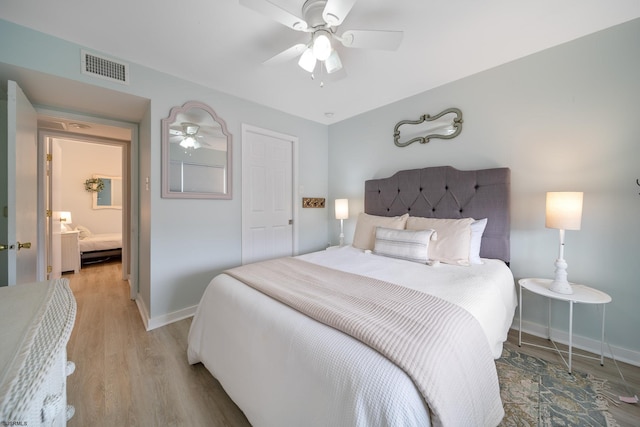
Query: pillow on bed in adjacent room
[
  {"x": 410, "y": 245},
  {"x": 365, "y": 234},
  {"x": 454, "y": 238},
  {"x": 84, "y": 232}
]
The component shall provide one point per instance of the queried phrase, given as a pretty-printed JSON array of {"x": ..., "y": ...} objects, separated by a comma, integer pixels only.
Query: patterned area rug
[{"x": 537, "y": 393}]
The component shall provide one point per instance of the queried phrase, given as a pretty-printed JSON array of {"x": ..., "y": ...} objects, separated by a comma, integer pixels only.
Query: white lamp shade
[
  {"x": 307, "y": 61},
  {"x": 564, "y": 210},
  {"x": 333, "y": 62},
  {"x": 321, "y": 46},
  {"x": 342, "y": 208}
]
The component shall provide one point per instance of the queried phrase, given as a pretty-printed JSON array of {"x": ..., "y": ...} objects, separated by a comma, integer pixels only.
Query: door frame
[
  {"x": 246, "y": 128},
  {"x": 130, "y": 212}
]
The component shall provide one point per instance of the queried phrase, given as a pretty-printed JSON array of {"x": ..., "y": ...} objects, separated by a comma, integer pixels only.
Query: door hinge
[
  {"x": 49, "y": 157},
  {"x": 49, "y": 269},
  {"x": 48, "y": 213}
]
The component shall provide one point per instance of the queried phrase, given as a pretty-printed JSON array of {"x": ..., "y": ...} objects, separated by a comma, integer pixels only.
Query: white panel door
[
  {"x": 267, "y": 195},
  {"x": 19, "y": 190}
]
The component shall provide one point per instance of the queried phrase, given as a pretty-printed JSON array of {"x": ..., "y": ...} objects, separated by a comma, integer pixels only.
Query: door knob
[
  {"x": 3, "y": 247},
  {"x": 26, "y": 245}
]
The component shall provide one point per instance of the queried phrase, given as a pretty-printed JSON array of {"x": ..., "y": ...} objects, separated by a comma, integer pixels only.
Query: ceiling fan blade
[
  {"x": 372, "y": 39},
  {"x": 276, "y": 13},
  {"x": 335, "y": 11},
  {"x": 286, "y": 55}
]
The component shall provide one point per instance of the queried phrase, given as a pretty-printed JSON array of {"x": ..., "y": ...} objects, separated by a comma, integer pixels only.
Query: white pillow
[
  {"x": 477, "y": 229},
  {"x": 365, "y": 234},
  {"x": 411, "y": 245},
  {"x": 84, "y": 232},
  {"x": 454, "y": 238}
]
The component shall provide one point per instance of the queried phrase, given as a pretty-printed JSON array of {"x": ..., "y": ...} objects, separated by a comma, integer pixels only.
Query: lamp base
[
  {"x": 560, "y": 283},
  {"x": 561, "y": 287}
]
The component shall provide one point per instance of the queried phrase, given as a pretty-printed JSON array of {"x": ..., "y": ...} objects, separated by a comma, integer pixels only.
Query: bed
[
  {"x": 98, "y": 247},
  {"x": 285, "y": 368}
]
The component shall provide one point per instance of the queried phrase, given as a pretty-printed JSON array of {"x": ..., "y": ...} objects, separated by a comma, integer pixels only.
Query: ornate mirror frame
[
  {"x": 437, "y": 126},
  {"x": 194, "y": 162}
]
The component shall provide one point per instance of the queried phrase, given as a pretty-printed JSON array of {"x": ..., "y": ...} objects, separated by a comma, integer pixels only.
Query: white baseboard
[
  {"x": 165, "y": 319},
  {"x": 583, "y": 343},
  {"x": 144, "y": 313}
]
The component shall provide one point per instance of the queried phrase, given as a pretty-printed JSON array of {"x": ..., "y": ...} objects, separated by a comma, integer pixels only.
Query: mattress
[
  {"x": 101, "y": 242},
  {"x": 283, "y": 368}
]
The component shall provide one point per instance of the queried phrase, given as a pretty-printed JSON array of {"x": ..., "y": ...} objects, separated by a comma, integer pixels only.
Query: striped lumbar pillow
[{"x": 411, "y": 245}]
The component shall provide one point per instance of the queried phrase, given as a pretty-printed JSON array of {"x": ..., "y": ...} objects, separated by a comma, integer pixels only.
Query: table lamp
[
  {"x": 342, "y": 213},
  {"x": 65, "y": 218},
  {"x": 564, "y": 212}
]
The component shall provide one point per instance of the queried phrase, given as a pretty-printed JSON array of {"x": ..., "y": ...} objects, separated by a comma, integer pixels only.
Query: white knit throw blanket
[{"x": 438, "y": 344}]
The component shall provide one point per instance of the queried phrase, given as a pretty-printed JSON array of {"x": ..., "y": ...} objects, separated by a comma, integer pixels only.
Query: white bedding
[
  {"x": 101, "y": 242},
  {"x": 284, "y": 369}
]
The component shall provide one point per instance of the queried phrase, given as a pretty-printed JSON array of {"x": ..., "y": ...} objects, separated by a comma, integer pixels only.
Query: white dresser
[
  {"x": 33, "y": 357},
  {"x": 70, "y": 251}
]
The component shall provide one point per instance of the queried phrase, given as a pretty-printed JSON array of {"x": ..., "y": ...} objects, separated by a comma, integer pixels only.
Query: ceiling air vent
[
  {"x": 51, "y": 124},
  {"x": 105, "y": 68}
]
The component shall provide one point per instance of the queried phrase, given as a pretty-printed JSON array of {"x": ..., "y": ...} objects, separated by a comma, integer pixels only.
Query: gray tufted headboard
[{"x": 446, "y": 192}]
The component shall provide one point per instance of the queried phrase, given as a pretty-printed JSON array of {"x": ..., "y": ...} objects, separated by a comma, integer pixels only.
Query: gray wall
[{"x": 563, "y": 119}]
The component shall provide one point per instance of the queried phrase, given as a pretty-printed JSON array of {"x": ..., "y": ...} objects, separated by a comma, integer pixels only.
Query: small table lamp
[
  {"x": 65, "y": 217},
  {"x": 342, "y": 213},
  {"x": 564, "y": 212}
]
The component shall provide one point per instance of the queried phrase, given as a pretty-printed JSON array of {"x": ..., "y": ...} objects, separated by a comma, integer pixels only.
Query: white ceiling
[{"x": 221, "y": 44}]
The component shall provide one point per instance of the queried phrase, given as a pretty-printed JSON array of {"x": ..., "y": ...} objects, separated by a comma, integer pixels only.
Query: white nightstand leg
[
  {"x": 548, "y": 318},
  {"x": 570, "y": 332},
  {"x": 520, "y": 311},
  {"x": 602, "y": 339}
]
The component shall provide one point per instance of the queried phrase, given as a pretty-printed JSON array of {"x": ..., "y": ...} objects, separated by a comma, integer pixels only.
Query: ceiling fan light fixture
[
  {"x": 321, "y": 45},
  {"x": 189, "y": 142},
  {"x": 307, "y": 60},
  {"x": 333, "y": 62}
]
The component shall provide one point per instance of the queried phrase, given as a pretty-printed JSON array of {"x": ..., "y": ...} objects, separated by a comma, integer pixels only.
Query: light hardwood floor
[{"x": 126, "y": 376}]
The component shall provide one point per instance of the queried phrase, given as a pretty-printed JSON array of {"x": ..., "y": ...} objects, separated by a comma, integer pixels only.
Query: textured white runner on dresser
[{"x": 438, "y": 344}]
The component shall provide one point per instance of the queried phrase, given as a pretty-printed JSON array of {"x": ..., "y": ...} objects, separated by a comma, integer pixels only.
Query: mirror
[
  {"x": 196, "y": 154},
  {"x": 110, "y": 196},
  {"x": 446, "y": 125}
]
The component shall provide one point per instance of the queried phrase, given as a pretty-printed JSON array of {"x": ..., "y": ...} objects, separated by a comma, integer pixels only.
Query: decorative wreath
[{"x": 94, "y": 185}]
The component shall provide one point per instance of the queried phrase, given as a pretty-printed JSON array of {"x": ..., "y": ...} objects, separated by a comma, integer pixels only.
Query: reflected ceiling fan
[
  {"x": 321, "y": 20},
  {"x": 187, "y": 136}
]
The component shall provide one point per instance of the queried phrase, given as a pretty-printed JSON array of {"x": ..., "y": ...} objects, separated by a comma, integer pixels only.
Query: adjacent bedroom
[{"x": 87, "y": 187}]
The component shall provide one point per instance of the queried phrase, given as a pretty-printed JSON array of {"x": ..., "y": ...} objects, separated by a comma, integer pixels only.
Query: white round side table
[{"x": 581, "y": 295}]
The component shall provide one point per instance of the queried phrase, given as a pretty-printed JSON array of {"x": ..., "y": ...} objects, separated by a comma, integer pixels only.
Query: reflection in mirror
[
  {"x": 196, "y": 154},
  {"x": 110, "y": 197},
  {"x": 446, "y": 125}
]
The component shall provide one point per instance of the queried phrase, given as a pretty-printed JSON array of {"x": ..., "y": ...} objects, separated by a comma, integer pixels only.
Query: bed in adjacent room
[
  {"x": 98, "y": 247},
  {"x": 371, "y": 334}
]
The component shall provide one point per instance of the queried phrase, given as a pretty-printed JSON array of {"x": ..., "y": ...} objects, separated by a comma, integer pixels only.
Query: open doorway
[{"x": 87, "y": 194}]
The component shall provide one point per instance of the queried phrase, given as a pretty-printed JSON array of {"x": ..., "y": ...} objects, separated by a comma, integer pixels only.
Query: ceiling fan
[{"x": 321, "y": 20}]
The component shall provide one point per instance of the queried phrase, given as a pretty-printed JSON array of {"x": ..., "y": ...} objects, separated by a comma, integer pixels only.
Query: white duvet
[
  {"x": 284, "y": 369},
  {"x": 101, "y": 242}
]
